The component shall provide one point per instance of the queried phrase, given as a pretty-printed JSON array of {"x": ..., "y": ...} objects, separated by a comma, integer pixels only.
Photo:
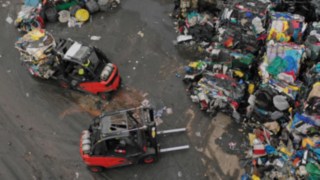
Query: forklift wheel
[
  {"x": 64, "y": 84},
  {"x": 149, "y": 159},
  {"x": 105, "y": 96},
  {"x": 95, "y": 169}
]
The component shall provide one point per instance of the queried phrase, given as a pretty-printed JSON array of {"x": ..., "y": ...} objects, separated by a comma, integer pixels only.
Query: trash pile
[
  {"x": 213, "y": 89},
  {"x": 262, "y": 68},
  {"x": 196, "y": 28},
  {"x": 35, "y": 13},
  {"x": 35, "y": 50}
]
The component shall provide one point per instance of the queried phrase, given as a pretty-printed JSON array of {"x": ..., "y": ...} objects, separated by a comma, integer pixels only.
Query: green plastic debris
[
  {"x": 277, "y": 66},
  {"x": 67, "y": 5},
  {"x": 313, "y": 171},
  {"x": 247, "y": 59}
]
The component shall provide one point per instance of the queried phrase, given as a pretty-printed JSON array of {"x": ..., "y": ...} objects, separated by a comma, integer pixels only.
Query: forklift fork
[{"x": 176, "y": 148}]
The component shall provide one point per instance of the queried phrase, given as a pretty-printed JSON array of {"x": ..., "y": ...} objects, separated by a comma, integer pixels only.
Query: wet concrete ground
[{"x": 40, "y": 124}]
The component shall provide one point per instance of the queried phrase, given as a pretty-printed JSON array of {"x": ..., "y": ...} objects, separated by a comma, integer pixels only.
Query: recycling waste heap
[{"x": 260, "y": 64}]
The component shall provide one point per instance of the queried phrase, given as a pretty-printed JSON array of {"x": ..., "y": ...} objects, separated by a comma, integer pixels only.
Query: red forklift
[
  {"x": 123, "y": 138},
  {"x": 71, "y": 64}
]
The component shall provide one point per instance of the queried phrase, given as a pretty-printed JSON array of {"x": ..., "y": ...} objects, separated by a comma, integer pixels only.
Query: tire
[
  {"x": 64, "y": 84},
  {"x": 95, "y": 169},
  {"x": 149, "y": 159},
  {"x": 105, "y": 96}
]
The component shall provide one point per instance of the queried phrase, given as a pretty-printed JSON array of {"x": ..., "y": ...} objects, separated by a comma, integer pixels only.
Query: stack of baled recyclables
[
  {"x": 36, "y": 13},
  {"x": 261, "y": 66}
]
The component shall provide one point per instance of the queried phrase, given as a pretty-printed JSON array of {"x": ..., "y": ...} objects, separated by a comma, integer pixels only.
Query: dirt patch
[
  {"x": 125, "y": 98},
  {"x": 228, "y": 164},
  {"x": 220, "y": 163},
  {"x": 191, "y": 115}
]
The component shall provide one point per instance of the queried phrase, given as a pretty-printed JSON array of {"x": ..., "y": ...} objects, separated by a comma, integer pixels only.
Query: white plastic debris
[
  {"x": 158, "y": 121},
  {"x": 198, "y": 134},
  {"x": 182, "y": 38},
  {"x": 169, "y": 111},
  {"x": 179, "y": 174},
  {"x": 9, "y": 20},
  {"x": 8, "y": 71},
  {"x": 95, "y": 38},
  {"x": 145, "y": 103},
  {"x": 141, "y": 34},
  {"x": 77, "y": 175},
  {"x": 134, "y": 68},
  {"x": 27, "y": 95}
]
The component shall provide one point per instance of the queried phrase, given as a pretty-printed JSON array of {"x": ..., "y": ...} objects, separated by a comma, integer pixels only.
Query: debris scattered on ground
[
  {"x": 95, "y": 38},
  {"x": 145, "y": 103},
  {"x": 77, "y": 175},
  {"x": 232, "y": 145},
  {"x": 179, "y": 174},
  {"x": 158, "y": 121},
  {"x": 125, "y": 98},
  {"x": 5, "y": 4},
  {"x": 169, "y": 111},
  {"x": 9, "y": 20},
  {"x": 141, "y": 34},
  {"x": 198, "y": 134},
  {"x": 27, "y": 95}
]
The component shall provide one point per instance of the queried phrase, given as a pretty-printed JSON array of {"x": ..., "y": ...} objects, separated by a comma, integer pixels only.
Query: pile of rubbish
[
  {"x": 196, "y": 28},
  {"x": 213, "y": 89},
  {"x": 35, "y": 13},
  {"x": 262, "y": 68},
  {"x": 35, "y": 50}
]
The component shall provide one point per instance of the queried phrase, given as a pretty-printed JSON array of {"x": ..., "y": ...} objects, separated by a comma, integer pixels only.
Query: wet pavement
[{"x": 40, "y": 124}]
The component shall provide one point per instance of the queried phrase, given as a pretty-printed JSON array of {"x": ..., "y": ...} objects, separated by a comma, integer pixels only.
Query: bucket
[
  {"x": 51, "y": 14},
  {"x": 82, "y": 15}
]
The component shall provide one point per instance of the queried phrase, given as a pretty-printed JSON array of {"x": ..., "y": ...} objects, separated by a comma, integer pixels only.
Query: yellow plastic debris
[
  {"x": 36, "y": 34},
  {"x": 254, "y": 177},
  {"x": 252, "y": 137},
  {"x": 285, "y": 151},
  {"x": 82, "y": 15},
  {"x": 238, "y": 73},
  {"x": 307, "y": 141},
  {"x": 251, "y": 88}
]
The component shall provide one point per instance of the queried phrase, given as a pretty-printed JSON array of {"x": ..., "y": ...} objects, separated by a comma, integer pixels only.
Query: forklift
[
  {"x": 71, "y": 64},
  {"x": 123, "y": 138}
]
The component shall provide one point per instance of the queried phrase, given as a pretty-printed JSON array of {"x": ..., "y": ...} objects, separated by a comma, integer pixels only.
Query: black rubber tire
[
  {"x": 149, "y": 159},
  {"x": 51, "y": 14},
  {"x": 95, "y": 169},
  {"x": 92, "y": 6},
  {"x": 105, "y": 96},
  {"x": 64, "y": 84}
]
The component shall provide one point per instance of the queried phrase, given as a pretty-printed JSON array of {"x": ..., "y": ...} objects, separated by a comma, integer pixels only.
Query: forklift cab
[{"x": 120, "y": 138}]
